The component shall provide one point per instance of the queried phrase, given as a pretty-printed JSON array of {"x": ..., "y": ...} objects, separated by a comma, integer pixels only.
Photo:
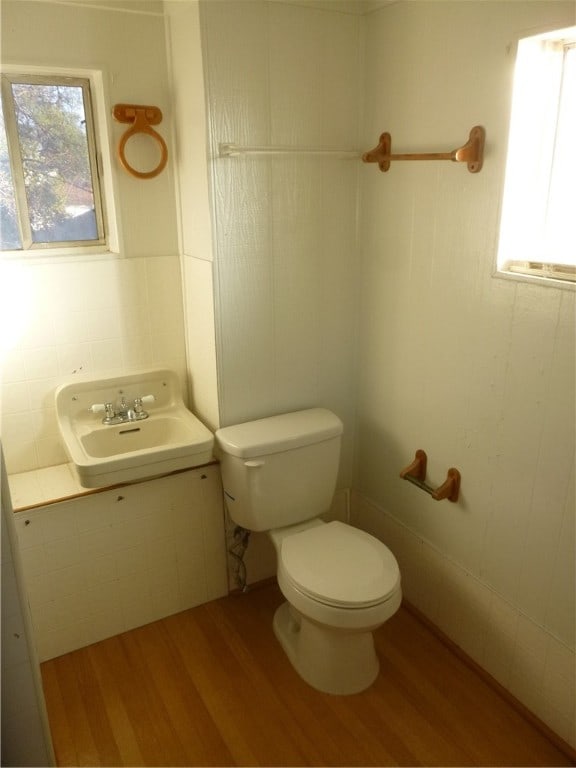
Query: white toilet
[{"x": 340, "y": 583}]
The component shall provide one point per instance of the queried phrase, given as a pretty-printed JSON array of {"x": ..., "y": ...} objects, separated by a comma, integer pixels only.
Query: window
[
  {"x": 538, "y": 224},
  {"x": 49, "y": 188}
]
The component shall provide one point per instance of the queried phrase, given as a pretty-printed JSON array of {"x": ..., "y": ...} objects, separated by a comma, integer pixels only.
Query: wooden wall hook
[
  {"x": 450, "y": 488},
  {"x": 141, "y": 117},
  {"x": 417, "y": 469}
]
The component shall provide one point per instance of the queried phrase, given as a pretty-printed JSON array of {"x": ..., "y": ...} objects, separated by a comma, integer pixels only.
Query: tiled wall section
[
  {"x": 284, "y": 227},
  {"x": 193, "y": 198},
  {"x": 105, "y": 563},
  {"x": 92, "y": 314},
  {"x": 536, "y": 667},
  {"x": 200, "y": 339},
  {"x": 477, "y": 371},
  {"x": 67, "y": 317}
]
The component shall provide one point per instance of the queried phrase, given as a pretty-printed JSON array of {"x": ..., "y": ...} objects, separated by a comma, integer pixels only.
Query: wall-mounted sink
[{"x": 119, "y": 443}]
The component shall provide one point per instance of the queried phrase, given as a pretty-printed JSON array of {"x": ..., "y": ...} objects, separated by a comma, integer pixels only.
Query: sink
[{"x": 169, "y": 439}]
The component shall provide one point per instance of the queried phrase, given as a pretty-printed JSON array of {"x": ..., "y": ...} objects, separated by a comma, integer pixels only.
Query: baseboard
[
  {"x": 535, "y": 721},
  {"x": 236, "y": 592}
]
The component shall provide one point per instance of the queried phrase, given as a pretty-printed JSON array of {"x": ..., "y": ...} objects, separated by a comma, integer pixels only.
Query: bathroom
[{"x": 272, "y": 285}]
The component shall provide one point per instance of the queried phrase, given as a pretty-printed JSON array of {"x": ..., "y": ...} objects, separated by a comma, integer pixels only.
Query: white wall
[
  {"x": 477, "y": 371},
  {"x": 195, "y": 227},
  {"x": 284, "y": 228},
  {"x": 285, "y": 234},
  {"x": 102, "y": 314}
]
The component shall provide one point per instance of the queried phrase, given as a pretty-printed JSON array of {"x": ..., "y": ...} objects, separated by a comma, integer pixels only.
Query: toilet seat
[{"x": 338, "y": 565}]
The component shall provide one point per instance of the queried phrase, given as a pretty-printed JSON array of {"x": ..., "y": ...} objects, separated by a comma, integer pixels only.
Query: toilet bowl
[{"x": 340, "y": 584}]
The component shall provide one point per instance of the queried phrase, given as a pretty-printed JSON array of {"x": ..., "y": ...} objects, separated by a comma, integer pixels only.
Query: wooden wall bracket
[
  {"x": 471, "y": 153},
  {"x": 415, "y": 473},
  {"x": 141, "y": 117}
]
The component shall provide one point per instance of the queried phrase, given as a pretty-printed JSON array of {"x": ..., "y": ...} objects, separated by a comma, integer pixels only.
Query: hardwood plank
[
  {"x": 212, "y": 686},
  {"x": 151, "y": 722},
  {"x": 463, "y": 706},
  {"x": 62, "y": 735},
  {"x": 228, "y": 679},
  {"x": 100, "y": 728},
  {"x": 196, "y": 730},
  {"x": 126, "y": 739},
  {"x": 83, "y": 705}
]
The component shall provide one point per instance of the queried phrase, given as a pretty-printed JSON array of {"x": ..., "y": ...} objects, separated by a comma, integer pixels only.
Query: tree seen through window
[{"x": 46, "y": 189}]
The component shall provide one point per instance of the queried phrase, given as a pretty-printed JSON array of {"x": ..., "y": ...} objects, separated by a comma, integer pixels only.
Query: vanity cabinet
[{"x": 103, "y": 563}]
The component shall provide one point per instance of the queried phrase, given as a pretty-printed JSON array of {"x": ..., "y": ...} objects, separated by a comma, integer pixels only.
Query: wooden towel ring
[{"x": 142, "y": 118}]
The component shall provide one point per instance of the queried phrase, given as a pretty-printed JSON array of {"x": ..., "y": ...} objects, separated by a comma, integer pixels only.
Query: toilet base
[{"x": 331, "y": 660}]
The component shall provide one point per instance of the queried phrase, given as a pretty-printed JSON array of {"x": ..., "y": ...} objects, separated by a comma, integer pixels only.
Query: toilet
[{"x": 340, "y": 583}]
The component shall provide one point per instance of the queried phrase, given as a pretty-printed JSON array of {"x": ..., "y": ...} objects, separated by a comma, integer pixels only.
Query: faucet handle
[
  {"x": 100, "y": 407},
  {"x": 103, "y": 407},
  {"x": 140, "y": 401}
]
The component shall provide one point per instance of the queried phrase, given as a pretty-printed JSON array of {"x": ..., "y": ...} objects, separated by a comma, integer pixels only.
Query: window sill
[
  {"x": 55, "y": 255},
  {"x": 535, "y": 279}
]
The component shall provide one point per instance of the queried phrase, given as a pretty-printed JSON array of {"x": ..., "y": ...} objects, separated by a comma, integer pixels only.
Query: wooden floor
[{"x": 211, "y": 686}]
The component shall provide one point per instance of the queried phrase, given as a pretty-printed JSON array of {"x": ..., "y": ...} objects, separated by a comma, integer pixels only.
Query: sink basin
[{"x": 171, "y": 438}]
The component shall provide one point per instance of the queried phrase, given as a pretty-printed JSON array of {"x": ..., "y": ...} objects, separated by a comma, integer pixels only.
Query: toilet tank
[{"x": 280, "y": 470}]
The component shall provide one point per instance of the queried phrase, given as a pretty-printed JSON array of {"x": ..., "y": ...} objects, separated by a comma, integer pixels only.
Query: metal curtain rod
[{"x": 233, "y": 150}]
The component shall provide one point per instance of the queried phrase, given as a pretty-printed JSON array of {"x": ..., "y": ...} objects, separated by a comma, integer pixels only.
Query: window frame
[
  {"x": 509, "y": 261},
  {"x": 86, "y": 81}
]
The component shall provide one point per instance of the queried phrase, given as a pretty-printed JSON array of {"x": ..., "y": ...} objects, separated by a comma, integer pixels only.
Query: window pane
[
  {"x": 9, "y": 232},
  {"x": 538, "y": 226},
  {"x": 560, "y": 234},
  {"x": 51, "y": 125}
]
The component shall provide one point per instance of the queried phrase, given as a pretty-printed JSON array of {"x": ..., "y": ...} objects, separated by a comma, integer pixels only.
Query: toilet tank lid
[{"x": 279, "y": 433}]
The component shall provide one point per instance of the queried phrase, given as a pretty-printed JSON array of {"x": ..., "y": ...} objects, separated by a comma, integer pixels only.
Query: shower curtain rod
[{"x": 233, "y": 150}]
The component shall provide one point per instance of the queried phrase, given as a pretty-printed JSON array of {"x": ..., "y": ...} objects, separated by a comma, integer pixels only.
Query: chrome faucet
[{"x": 123, "y": 411}]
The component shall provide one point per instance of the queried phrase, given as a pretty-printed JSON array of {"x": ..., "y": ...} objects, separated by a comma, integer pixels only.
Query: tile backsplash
[{"x": 99, "y": 316}]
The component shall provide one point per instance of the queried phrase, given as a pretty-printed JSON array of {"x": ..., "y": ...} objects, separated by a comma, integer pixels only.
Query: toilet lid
[{"x": 340, "y": 565}]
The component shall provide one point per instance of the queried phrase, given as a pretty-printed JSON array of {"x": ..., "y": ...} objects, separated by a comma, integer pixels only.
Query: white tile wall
[
  {"x": 91, "y": 314},
  {"x": 107, "y": 562},
  {"x": 195, "y": 227},
  {"x": 285, "y": 228},
  {"x": 91, "y": 317},
  {"x": 524, "y": 657},
  {"x": 200, "y": 339},
  {"x": 477, "y": 371}
]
